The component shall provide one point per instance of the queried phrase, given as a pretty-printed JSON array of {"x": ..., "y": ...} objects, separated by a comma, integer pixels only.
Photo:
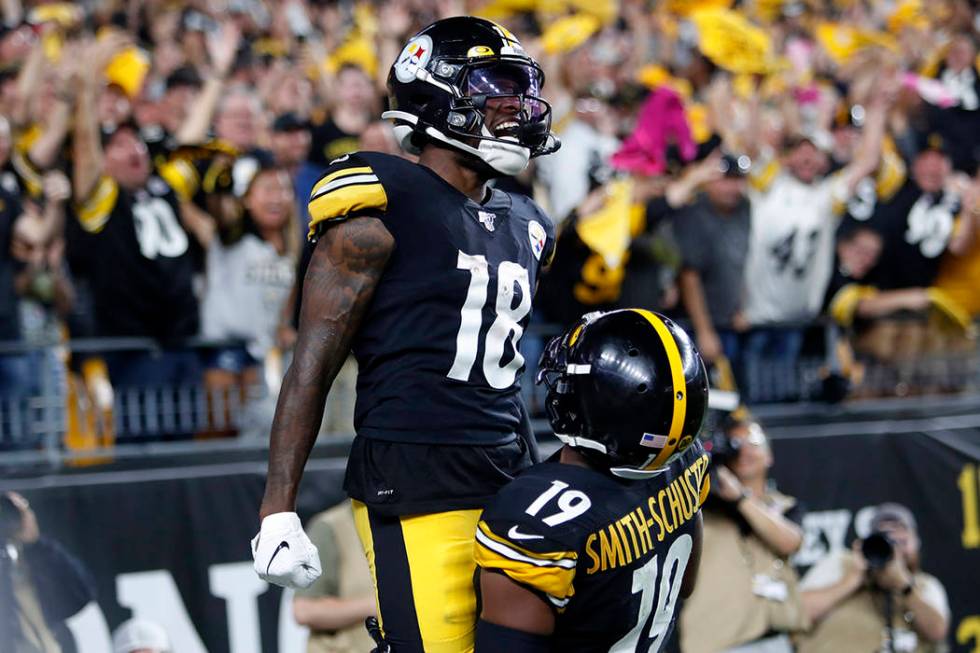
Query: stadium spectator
[
  {"x": 959, "y": 123},
  {"x": 12, "y": 372},
  {"x": 290, "y": 142},
  {"x": 790, "y": 250},
  {"x": 917, "y": 224},
  {"x": 335, "y": 606},
  {"x": 128, "y": 242},
  {"x": 355, "y": 106},
  {"x": 713, "y": 236},
  {"x": 848, "y": 596},
  {"x": 239, "y": 119},
  {"x": 588, "y": 140},
  {"x": 41, "y": 584},
  {"x": 250, "y": 267},
  {"x": 750, "y": 531}
]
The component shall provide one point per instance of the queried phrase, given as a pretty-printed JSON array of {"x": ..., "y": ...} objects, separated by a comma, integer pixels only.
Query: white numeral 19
[
  {"x": 645, "y": 584},
  {"x": 505, "y": 327}
]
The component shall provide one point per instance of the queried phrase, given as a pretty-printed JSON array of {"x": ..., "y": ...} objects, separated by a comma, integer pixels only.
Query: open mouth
[{"x": 506, "y": 128}]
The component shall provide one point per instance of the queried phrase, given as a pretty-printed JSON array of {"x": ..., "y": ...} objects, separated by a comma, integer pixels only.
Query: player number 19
[
  {"x": 645, "y": 584},
  {"x": 505, "y": 326}
]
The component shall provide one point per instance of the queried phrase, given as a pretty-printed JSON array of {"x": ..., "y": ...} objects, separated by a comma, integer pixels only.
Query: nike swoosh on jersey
[
  {"x": 515, "y": 535},
  {"x": 282, "y": 545}
]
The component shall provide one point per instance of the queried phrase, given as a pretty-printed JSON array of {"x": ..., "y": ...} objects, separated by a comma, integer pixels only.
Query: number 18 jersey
[
  {"x": 608, "y": 555},
  {"x": 437, "y": 350}
]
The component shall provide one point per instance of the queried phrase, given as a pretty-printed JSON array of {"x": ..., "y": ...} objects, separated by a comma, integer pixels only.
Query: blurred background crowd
[{"x": 795, "y": 180}]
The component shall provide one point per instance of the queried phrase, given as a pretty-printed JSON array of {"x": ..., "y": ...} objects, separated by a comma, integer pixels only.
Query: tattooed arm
[{"x": 345, "y": 268}]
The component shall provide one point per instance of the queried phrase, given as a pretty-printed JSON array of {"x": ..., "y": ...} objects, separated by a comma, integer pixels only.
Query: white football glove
[{"x": 283, "y": 554}]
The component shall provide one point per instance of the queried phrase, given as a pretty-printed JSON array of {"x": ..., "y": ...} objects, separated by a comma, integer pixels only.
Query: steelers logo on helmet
[
  {"x": 466, "y": 83},
  {"x": 413, "y": 57},
  {"x": 627, "y": 389}
]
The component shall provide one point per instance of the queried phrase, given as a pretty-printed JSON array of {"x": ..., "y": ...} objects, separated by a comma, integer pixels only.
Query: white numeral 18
[{"x": 505, "y": 327}]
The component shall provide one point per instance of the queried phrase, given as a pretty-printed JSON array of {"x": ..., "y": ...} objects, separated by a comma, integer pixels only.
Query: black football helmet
[
  {"x": 439, "y": 86},
  {"x": 627, "y": 389}
]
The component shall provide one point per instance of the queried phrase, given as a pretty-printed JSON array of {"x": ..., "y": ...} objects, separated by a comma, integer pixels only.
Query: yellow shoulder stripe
[
  {"x": 363, "y": 170},
  {"x": 346, "y": 200},
  {"x": 552, "y": 557},
  {"x": 678, "y": 382},
  {"x": 843, "y": 305},
  {"x": 94, "y": 213},
  {"x": 555, "y": 581},
  {"x": 32, "y": 179}
]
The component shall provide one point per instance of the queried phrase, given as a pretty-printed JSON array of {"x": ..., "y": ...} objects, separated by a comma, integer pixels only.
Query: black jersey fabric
[
  {"x": 437, "y": 350},
  {"x": 132, "y": 249},
  {"x": 608, "y": 555}
]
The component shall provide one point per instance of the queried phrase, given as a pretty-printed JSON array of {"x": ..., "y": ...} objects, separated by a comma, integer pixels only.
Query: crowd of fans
[{"x": 748, "y": 166}]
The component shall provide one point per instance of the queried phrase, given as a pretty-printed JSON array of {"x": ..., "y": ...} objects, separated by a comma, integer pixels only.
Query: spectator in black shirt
[
  {"x": 917, "y": 224},
  {"x": 713, "y": 236},
  {"x": 41, "y": 584}
]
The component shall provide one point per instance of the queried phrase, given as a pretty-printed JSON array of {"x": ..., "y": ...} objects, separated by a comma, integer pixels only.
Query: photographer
[
  {"x": 849, "y": 594},
  {"x": 41, "y": 585},
  {"x": 746, "y": 583}
]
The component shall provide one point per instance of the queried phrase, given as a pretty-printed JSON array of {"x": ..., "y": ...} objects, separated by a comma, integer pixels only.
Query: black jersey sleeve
[
  {"x": 524, "y": 547},
  {"x": 348, "y": 188}
]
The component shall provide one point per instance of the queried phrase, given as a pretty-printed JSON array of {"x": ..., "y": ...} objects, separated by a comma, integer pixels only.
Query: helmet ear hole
[{"x": 641, "y": 388}]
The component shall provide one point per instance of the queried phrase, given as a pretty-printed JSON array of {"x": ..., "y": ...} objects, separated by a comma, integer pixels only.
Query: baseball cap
[
  {"x": 184, "y": 76},
  {"x": 289, "y": 122},
  {"x": 138, "y": 634},
  {"x": 893, "y": 513},
  {"x": 933, "y": 142}
]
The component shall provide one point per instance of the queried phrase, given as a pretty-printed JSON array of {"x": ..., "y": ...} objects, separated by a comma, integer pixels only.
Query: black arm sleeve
[{"x": 63, "y": 585}]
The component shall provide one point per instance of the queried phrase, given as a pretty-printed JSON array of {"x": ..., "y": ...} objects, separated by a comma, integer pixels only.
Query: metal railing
[{"x": 63, "y": 414}]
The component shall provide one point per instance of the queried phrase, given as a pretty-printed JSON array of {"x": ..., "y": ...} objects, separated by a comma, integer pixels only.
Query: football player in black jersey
[
  {"x": 591, "y": 550},
  {"x": 426, "y": 272}
]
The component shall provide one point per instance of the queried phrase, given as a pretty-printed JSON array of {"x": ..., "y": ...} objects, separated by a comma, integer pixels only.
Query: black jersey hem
[{"x": 399, "y": 478}]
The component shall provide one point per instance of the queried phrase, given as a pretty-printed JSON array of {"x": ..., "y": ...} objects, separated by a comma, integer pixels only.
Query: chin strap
[{"x": 504, "y": 157}]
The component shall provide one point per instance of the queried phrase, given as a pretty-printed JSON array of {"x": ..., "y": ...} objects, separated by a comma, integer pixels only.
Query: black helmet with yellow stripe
[{"x": 627, "y": 389}]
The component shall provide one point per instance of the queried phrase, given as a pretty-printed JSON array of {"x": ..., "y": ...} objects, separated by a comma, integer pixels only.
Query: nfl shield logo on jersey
[
  {"x": 537, "y": 235},
  {"x": 486, "y": 219}
]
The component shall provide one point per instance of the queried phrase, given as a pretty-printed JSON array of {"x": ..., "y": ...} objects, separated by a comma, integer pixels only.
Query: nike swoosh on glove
[{"x": 283, "y": 554}]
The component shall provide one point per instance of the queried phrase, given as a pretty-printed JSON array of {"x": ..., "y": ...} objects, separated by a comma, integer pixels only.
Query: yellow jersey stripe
[
  {"x": 488, "y": 539},
  {"x": 844, "y": 303},
  {"x": 33, "y": 181},
  {"x": 553, "y": 581},
  {"x": 336, "y": 175},
  {"x": 679, "y": 385},
  {"x": 344, "y": 201},
  {"x": 94, "y": 213}
]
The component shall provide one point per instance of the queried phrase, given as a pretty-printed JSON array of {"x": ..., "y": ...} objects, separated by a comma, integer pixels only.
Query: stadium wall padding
[{"x": 172, "y": 545}]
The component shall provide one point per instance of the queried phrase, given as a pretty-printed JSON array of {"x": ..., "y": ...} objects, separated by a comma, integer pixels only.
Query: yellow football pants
[{"x": 422, "y": 567}]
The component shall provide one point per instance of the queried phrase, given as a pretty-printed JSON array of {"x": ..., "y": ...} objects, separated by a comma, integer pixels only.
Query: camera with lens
[
  {"x": 722, "y": 448},
  {"x": 878, "y": 549}
]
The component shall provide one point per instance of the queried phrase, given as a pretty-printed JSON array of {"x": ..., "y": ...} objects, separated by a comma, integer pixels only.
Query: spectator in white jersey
[
  {"x": 250, "y": 271},
  {"x": 794, "y": 216}
]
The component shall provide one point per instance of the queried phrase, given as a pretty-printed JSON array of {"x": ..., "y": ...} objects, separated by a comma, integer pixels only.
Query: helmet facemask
[{"x": 508, "y": 87}]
